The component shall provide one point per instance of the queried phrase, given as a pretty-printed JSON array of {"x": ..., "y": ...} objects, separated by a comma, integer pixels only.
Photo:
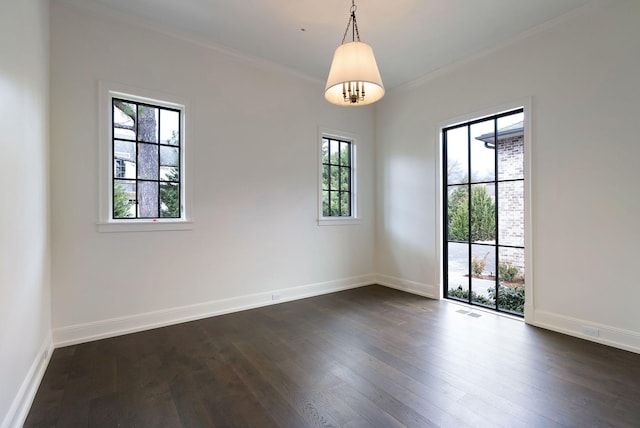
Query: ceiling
[{"x": 410, "y": 38}]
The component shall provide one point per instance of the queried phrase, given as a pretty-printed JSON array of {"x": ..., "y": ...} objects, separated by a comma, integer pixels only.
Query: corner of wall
[
  {"x": 21, "y": 404},
  {"x": 413, "y": 287}
]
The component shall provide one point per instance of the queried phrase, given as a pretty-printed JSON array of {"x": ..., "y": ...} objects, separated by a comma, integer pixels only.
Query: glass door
[{"x": 484, "y": 212}]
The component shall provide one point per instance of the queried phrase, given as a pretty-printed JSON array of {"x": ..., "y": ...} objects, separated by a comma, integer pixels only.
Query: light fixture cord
[{"x": 352, "y": 19}]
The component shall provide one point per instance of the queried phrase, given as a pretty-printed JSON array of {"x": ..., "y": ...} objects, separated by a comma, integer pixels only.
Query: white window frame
[
  {"x": 106, "y": 223},
  {"x": 353, "y": 139}
]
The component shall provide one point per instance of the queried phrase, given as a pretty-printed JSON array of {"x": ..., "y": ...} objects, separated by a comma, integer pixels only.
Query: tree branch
[
  {"x": 126, "y": 109},
  {"x": 122, "y": 126}
]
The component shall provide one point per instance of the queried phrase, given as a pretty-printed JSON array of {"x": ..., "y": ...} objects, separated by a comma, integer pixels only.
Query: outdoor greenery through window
[
  {"x": 337, "y": 167},
  {"x": 146, "y": 159},
  {"x": 484, "y": 211}
]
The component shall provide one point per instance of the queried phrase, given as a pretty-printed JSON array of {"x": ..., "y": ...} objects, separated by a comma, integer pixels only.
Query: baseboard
[
  {"x": 606, "y": 335},
  {"x": 529, "y": 313},
  {"x": 413, "y": 287},
  {"x": 80, "y": 333},
  {"x": 21, "y": 404}
]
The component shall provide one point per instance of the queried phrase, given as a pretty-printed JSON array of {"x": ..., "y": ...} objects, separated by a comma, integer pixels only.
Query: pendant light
[{"x": 354, "y": 79}]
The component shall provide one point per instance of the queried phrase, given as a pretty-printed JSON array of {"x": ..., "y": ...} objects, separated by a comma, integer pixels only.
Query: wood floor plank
[
  {"x": 367, "y": 357},
  {"x": 305, "y": 401}
]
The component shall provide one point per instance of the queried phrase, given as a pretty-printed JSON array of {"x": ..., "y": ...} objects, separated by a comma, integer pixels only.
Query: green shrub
[
  {"x": 483, "y": 215},
  {"x": 459, "y": 215},
  {"x": 483, "y": 211},
  {"x": 509, "y": 299},
  {"x": 508, "y": 271},
  {"x": 478, "y": 265},
  {"x": 463, "y": 294},
  {"x": 121, "y": 204}
]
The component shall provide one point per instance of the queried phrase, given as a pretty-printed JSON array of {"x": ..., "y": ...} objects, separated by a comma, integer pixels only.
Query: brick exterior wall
[{"x": 511, "y": 201}]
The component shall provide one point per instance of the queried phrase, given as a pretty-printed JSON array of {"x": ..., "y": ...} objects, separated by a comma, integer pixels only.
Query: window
[
  {"x": 147, "y": 139},
  {"x": 484, "y": 212},
  {"x": 337, "y": 184},
  {"x": 121, "y": 167},
  {"x": 143, "y": 161}
]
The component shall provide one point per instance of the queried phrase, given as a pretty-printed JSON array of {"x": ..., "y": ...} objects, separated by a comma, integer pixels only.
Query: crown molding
[
  {"x": 525, "y": 35},
  {"x": 101, "y": 11}
]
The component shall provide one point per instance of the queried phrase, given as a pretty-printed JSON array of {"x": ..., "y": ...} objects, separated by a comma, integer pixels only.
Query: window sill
[
  {"x": 344, "y": 221},
  {"x": 145, "y": 226}
]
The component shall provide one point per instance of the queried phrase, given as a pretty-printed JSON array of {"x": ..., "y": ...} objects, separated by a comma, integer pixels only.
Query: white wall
[
  {"x": 254, "y": 140},
  {"x": 582, "y": 75},
  {"x": 25, "y": 318}
]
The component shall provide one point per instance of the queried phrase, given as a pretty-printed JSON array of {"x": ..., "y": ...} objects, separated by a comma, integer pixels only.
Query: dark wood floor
[{"x": 369, "y": 357}]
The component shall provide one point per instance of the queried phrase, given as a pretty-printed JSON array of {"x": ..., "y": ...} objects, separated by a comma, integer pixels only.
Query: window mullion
[
  {"x": 137, "y": 136},
  {"x": 339, "y": 178},
  {"x": 469, "y": 217},
  {"x": 180, "y": 177},
  {"x": 113, "y": 156},
  {"x": 158, "y": 214},
  {"x": 496, "y": 199},
  {"x": 445, "y": 205}
]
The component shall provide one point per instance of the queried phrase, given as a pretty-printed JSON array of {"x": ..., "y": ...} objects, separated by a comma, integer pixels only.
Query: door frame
[{"x": 526, "y": 105}]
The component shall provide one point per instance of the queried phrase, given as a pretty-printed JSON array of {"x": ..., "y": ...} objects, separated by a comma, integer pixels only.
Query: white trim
[
  {"x": 607, "y": 335},
  {"x": 526, "y": 105},
  {"x": 529, "y": 308},
  {"x": 515, "y": 40},
  {"x": 438, "y": 203},
  {"x": 80, "y": 333},
  {"x": 106, "y": 91},
  {"x": 353, "y": 139},
  {"x": 413, "y": 287},
  {"x": 144, "y": 226},
  {"x": 487, "y": 111},
  {"x": 97, "y": 10},
  {"x": 21, "y": 404},
  {"x": 338, "y": 221}
]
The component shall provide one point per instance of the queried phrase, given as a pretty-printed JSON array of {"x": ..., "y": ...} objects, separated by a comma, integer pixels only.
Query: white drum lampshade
[{"x": 354, "y": 78}]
